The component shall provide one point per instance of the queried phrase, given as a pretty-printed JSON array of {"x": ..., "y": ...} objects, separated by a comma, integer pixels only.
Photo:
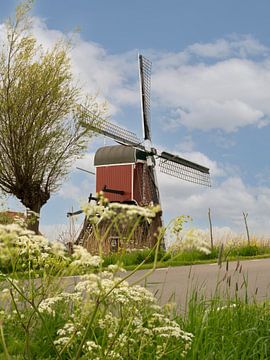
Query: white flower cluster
[
  {"x": 24, "y": 246},
  {"x": 128, "y": 317},
  {"x": 48, "y": 305},
  {"x": 225, "y": 307},
  {"x": 81, "y": 257},
  {"x": 125, "y": 320},
  {"x": 115, "y": 268},
  {"x": 97, "y": 212},
  {"x": 189, "y": 240},
  {"x": 27, "y": 250}
]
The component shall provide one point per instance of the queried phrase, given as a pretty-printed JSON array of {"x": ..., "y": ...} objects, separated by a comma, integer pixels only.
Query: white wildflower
[
  {"x": 47, "y": 305},
  {"x": 230, "y": 306},
  {"x": 83, "y": 258},
  {"x": 189, "y": 240},
  {"x": 58, "y": 249},
  {"x": 116, "y": 267}
]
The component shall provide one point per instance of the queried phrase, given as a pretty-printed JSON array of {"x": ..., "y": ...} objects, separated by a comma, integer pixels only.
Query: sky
[{"x": 210, "y": 97}]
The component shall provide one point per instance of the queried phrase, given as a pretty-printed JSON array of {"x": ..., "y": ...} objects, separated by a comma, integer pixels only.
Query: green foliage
[
  {"x": 5, "y": 219},
  {"x": 227, "y": 329},
  {"x": 245, "y": 250},
  {"x": 40, "y": 120},
  {"x": 194, "y": 255},
  {"x": 177, "y": 224},
  {"x": 101, "y": 317},
  {"x": 134, "y": 257}
]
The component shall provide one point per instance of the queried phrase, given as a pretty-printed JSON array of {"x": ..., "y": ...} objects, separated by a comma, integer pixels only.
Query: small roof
[{"x": 118, "y": 154}]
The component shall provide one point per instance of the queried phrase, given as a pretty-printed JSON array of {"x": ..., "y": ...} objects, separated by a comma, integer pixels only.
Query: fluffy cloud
[
  {"x": 218, "y": 85},
  {"x": 228, "y": 94},
  {"x": 226, "y": 200},
  {"x": 63, "y": 232},
  {"x": 239, "y": 46},
  {"x": 111, "y": 77}
]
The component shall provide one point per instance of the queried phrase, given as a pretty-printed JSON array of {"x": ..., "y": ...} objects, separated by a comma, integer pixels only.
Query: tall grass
[
  {"x": 44, "y": 316},
  {"x": 228, "y": 329}
]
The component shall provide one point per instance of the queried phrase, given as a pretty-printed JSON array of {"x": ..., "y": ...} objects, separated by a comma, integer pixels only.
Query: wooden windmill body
[{"x": 126, "y": 172}]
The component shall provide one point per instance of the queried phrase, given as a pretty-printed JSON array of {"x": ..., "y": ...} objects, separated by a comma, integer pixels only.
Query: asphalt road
[{"x": 251, "y": 278}]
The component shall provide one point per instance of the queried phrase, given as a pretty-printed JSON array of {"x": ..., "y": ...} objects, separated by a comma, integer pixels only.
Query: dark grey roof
[{"x": 118, "y": 154}]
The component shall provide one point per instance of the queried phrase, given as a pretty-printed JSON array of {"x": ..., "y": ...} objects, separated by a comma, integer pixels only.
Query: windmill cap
[{"x": 118, "y": 154}]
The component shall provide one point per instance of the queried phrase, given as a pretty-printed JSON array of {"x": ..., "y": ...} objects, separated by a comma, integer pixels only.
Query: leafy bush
[
  {"x": 135, "y": 257},
  {"x": 5, "y": 219},
  {"x": 102, "y": 317},
  {"x": 194, "y": 255},
  {"x": 244, "y": 250}
]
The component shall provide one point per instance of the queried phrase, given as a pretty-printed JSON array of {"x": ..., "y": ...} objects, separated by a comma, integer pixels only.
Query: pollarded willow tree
[{"x": 40, "y": 119}]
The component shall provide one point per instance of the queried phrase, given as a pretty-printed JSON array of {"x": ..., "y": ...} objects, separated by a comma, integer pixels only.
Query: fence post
[
  {"x": 211, "y": 229},
  {"x": 245, "y": 215}
]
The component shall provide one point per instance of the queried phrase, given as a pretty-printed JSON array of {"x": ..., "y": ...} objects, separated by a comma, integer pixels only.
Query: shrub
[{"x": 102, "y": 317}]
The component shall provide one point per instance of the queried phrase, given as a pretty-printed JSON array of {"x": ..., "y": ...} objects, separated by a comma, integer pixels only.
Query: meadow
[{"x": 104, "y": 316}]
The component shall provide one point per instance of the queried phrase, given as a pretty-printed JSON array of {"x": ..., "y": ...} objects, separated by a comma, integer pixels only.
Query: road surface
[
  {"x": 176, "y": 284},
  {"x": 250, "y": 277}
]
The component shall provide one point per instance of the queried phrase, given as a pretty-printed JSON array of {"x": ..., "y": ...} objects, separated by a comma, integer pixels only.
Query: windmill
[{"x": 126, "y": 172}]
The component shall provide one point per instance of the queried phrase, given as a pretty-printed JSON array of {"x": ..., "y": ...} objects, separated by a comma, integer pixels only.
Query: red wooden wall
[{"x": 117, "y": 177}]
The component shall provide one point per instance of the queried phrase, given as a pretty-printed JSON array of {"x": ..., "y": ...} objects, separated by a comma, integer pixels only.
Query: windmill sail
[
  {"x": 145, "y": 86},
  {"x": 184, "y": 169},
  {"x": 111, "y": 130}
]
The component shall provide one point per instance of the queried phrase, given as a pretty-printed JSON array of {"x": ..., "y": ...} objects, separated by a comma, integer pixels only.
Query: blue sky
[{"x": 210, "y": 95}]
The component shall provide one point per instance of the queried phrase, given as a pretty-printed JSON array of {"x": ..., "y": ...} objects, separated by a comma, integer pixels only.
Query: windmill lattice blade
[
  {"x": 145, "y": 83},
  {"x": 112, "y": 131},
  {"x": 184, "y": 169}
]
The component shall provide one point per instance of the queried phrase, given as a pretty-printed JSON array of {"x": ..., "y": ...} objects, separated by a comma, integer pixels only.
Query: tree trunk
[
  {"x": 33, "y": 219},
  {"x": 33, "y": 200}
]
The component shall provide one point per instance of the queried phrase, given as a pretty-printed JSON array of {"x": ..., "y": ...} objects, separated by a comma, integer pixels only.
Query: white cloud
[
  {"x": 62, "y": 232},
  {"x": 197, "y": 157},
  {"x": 239, "y": 46},
  {"x": 86, "y": 162},
  {"x": 109, "y": 76},
  {"x": 226, "y": 200},
  {"x": 227, "y": 94}
]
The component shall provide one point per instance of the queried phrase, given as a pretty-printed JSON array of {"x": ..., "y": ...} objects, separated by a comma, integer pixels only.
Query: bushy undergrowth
[
  {"x": 44, "y": 316},
  {"x": 135, "y": 257},
  {"x": 187, "y": 256}
]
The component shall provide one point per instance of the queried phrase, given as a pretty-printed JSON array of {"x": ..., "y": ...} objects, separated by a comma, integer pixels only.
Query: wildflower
[
  {"x": 230, "y": 306},
  {"x": 91, "y": 346},
  {"x": 83, "y": 258},
  {"x": 98, "y": 212},
  {"x": 47, "y": 305},
  {"x": 116, "y": 267},
  {"x": 189, "y": 240}
]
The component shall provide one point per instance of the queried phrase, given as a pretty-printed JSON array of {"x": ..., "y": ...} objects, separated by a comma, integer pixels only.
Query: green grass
[
  {"x": 227, "y": 330},
  {"x": 134, "y": 258},
  {"x": 113, "y": 315},
  {"x": 188, "y": 257}
]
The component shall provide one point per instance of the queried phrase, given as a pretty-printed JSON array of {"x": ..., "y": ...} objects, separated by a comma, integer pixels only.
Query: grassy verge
[
  {"x": 189, "y": 257},
  {"x": 230, "y": 329},
  {"x": 105, "y": 317}
]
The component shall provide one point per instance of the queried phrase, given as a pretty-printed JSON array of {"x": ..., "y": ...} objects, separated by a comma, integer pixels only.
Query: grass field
[
  {"x": 235, "y": 251},
  {"x": 106, "y": 317}
]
